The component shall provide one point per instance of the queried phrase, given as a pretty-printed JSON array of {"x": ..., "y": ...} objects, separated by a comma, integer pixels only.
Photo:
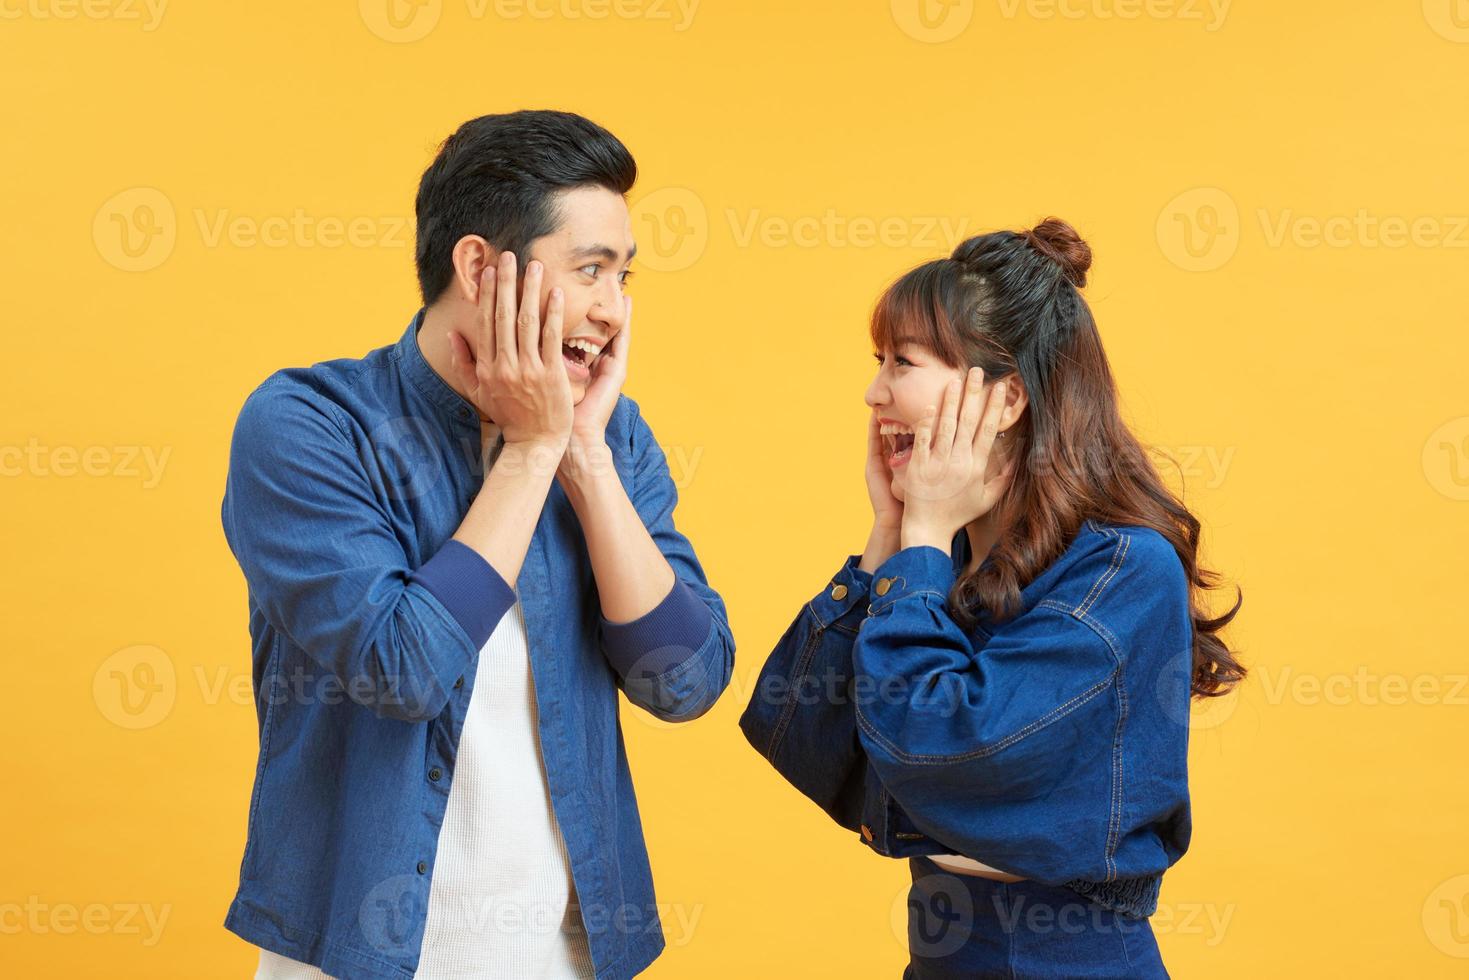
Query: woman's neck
[{"x": 983, "y": 534}]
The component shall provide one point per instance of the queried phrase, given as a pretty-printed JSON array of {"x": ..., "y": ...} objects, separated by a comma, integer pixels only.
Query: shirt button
[
  {"x": 839, "y": 592},
  {"x": 435, "y": 773},
  {"x": 866, "y": 833},
  {"x": 459, "y": 683},
  {"x": 883, "y": 584},
  {"x": 423, "y": 867}
]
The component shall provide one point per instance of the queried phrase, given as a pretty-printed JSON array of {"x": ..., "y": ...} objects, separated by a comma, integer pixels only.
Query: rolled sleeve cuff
[
  {"x": 661, "y": 639},
  {"x": 848, "y": 590},
  {"x": 468, "y": 587},
  {"x": 917, "y": 570}
]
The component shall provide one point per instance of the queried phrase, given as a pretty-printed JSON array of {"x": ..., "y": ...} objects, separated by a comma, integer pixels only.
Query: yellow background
[{"x": 1313, "y": 391}]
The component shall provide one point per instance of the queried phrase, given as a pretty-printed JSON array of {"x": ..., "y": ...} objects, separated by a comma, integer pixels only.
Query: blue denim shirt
[
  {"x": 1053, "y": 745},
  {"x": 346, "y": 480}
]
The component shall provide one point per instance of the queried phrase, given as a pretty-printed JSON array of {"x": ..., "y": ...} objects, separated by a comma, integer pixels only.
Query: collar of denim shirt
[{"x": 426, "y": 380}]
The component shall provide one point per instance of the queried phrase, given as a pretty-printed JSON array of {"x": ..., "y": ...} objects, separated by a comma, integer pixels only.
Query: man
[{"x": 458, "y": 549}]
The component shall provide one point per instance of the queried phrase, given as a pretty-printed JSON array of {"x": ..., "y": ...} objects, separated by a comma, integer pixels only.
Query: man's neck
[{"x": 433, "y": 343}]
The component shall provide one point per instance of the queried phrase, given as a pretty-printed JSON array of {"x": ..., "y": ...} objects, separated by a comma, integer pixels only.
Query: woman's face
[{"x": 909, "y": 379}]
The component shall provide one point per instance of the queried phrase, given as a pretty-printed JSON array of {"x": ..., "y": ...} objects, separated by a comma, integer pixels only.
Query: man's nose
[{"x": 609, "y": 309}]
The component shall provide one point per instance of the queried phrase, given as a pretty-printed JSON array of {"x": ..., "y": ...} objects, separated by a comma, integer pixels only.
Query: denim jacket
[
  {"x": 1052, "y": 745},
  {"x": 346, "y": 481}
]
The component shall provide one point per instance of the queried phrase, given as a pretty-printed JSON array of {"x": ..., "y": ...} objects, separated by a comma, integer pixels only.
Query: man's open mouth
[{"x": 580, "y": 353}]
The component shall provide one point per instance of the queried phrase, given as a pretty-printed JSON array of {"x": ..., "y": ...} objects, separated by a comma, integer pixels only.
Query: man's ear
[{"x": 472, "y": 255}]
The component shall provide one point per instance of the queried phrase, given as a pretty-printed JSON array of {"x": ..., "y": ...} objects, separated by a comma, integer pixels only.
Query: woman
[{"x": 998, "y": 687}]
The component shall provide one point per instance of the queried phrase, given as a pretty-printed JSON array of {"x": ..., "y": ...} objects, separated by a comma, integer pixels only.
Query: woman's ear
[
  {"x": 1016, "y": 398},
  {"x": 472, "y": 255}
]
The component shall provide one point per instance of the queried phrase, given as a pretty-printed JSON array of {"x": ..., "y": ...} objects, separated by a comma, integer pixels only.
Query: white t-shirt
[{"x": 501, "y": 893}]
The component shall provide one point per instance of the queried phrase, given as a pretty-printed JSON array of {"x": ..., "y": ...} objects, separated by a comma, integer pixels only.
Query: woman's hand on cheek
[
  {"x": 887, "y": 509},
  {"x": 945, "y": 487}
]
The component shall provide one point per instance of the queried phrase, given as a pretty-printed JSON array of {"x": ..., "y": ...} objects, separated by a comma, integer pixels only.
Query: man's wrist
[
  {"x": 540, "y": 457},
  {"x": 586, "y": 466}
]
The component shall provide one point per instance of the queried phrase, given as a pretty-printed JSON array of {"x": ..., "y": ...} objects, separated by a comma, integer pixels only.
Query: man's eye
[
  {"x": 624, "y": 276},
  {"x": 590, "y": 270}
]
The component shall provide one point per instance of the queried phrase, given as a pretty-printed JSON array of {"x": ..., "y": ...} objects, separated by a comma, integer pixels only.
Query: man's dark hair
[{"x": 495, "y": 177}]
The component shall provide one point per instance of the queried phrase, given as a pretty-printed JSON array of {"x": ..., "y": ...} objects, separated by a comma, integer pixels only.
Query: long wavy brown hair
[{"x": 1010, "y": 303}]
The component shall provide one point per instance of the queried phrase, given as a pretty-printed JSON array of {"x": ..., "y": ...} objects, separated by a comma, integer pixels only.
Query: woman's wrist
[
  {"x": 882, "y": 544},
  {"x": 919, "y": 535}
]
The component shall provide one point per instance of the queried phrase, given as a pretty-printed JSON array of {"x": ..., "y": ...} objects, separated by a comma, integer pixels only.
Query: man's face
[{"x": 588, "y": 257}]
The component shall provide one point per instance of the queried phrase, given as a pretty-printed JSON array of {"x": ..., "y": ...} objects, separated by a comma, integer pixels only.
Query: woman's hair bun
[{"x": 1060, "y": 243}]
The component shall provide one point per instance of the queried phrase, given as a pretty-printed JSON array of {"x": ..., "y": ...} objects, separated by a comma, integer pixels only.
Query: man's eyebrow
[{"x": 600, "y": 251}]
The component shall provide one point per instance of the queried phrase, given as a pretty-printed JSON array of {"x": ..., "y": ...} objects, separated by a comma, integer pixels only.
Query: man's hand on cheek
[{"x": 592, "y": 413}]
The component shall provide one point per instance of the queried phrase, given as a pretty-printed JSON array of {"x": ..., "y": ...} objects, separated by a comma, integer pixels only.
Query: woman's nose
[{"x": 875, "y": 395}]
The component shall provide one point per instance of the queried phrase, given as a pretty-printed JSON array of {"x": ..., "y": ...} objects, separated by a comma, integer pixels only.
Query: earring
[{"x": 1000, "y": 436}]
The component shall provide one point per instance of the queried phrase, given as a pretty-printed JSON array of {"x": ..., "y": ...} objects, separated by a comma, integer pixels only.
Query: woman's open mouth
[
  {"x": 899, "y": 442},
  {"x": 580, "y": 356}
]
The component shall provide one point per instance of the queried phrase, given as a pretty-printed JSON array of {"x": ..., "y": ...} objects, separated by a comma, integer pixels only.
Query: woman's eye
[{"x": 904, "y": 362}]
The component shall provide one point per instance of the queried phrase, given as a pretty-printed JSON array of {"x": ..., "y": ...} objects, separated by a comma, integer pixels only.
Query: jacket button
[
  {"x": 423, "y": 867},
  {"x": 883, "y": 584},
  {"x": 839, "y": 592},
  {"x": 435, "y": 773},
  {"x": 459, "y": 683},
  {"x": 866, "y": 832}
]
